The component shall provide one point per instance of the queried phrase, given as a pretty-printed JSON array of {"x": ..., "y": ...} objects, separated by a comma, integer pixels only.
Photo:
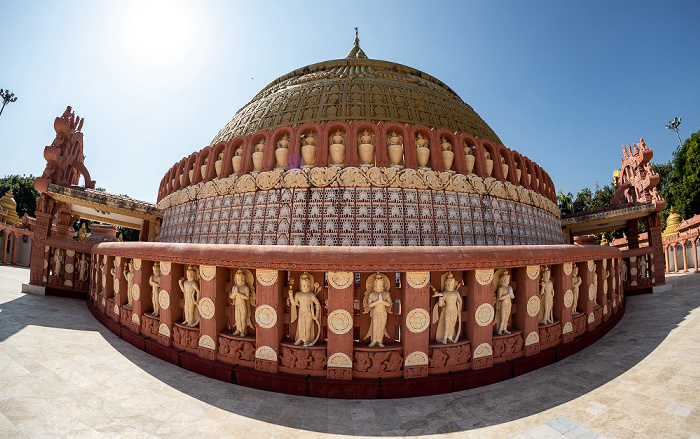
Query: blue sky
[{"x": 565, "y": 83}]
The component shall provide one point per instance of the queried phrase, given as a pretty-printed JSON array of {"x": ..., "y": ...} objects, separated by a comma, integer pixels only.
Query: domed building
[{"x": 356, "y": 230}]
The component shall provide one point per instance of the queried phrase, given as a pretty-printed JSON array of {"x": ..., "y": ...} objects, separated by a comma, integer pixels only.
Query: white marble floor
[{"x": 64, "y": 375}]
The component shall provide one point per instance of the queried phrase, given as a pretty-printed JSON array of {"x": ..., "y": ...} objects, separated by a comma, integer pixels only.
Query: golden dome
[
  {"x": 671, "y": 223},
  {"x": 356, "y": 89},
  {"x": 9, "y": 204}
]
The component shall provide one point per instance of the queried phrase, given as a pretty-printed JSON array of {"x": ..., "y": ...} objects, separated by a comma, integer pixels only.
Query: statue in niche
[
  {"x": 309, "y": 310},
  {"x": 243, "y": 298},
  {"x": 57, "y": 262},
  {"x": 82, "y": 233},
  {"x": 450, "y": 320},
  {"x": 115, "y": 282},
  {"x": 154, "y": 280},
  {"x": 503, "y": 298},
  {"x": 129, "y": 275},
  {"x": 577, "y": 281},
  {"x": 83, "y": 268},
  {"x": 624, "y": 270},
  {"x": 595, "y": 285},
  {"x": 642, "y": 268},
  {"x": 546, "y": 297},
  {"x": 190, "y": 288},
  {"x": 377, "y": 302}
]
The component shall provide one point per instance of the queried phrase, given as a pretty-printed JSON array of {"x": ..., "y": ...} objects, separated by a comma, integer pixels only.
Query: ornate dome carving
[{"x": 356, "y": 89}]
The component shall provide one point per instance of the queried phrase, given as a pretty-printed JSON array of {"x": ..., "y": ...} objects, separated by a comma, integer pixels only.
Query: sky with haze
[{"x": 565, "y": 83}]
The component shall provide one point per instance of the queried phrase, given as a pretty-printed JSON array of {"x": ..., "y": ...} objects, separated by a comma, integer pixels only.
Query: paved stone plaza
[{"x": 62, "y": 374}]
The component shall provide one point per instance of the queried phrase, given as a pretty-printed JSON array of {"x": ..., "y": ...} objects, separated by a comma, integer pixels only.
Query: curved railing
[{"x": 585, "y": 296}]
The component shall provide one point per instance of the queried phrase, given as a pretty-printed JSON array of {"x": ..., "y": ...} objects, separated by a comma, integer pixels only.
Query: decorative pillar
[
  {"x": 668, "y": 266},
  {"x": 415, "y": 302},
  {"x": 340, "y": 325},
  {"x": 119, "y": 286},
  {"x": 13, "y": 259},
  {"x": 601, "y": 269},
  {"x": 271, "y": 305},
  {"x": 5, "y": 235},
  {"x": 587, "y": 271},
  {"x": 169, "y": 300},
  {"x": 212, "y": 308},
  {"x": 656, "y": 242},
  {"x": 38, "y": 254},
  {"x": 563, "y": 299},
  {"x": 481, "y": 313},
  {"x": 141, "y": 293},
  {"x": 70, "y": 276},
  {"x": 695, "y": 254},
  {"x": 527, "y": 304},
  {"x": 685, "y": 257}
]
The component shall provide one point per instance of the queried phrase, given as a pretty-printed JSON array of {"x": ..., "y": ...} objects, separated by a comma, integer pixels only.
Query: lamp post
[
  {"x": 673, "y": 125},
  {"x": 7, "y": 97}
]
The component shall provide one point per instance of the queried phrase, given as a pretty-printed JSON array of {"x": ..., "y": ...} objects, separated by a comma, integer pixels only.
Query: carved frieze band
[
  {"x": 483, "y": 350},
  {"x": 484, "y": 277},
  {"x": 206, "y": 308},
  {"x": 207, "y": 272},
  {"x": 418, "y": 279},
  {"x": 417, "y": 320},
  {"x": 266, "y": 353},
  {"x": 417, "y": 358},
  {"x": 265, "y": 316},
  {"x": 484, "y": 314},
  {"x": 360, "y": 177},
  {"x": 339, "y": 321},
  {"x": 339, "y": 359},
  {"x": 266, "y": 277},
  {"x": 340, "y": 280}
]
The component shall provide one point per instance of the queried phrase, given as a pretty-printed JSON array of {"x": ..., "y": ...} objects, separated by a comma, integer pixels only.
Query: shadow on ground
[{"x": 648, "y": 321}]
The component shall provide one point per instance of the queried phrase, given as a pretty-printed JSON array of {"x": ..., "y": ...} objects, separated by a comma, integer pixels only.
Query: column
[
  {"x": 563, "y": 299},
  {"x": 212, "y": 308},
  {"x": 415, "y": 302},
  {"x": 602, "y": 289},
  {"x": 169, "y": 299},
  {"x": 141, "y": 292},
  {"x": 527, "y": 304},
  {"x": 14, "y": 250},
  {"x": 668, "y": 266},
  {"x": 685, "y": 257},
  {"x": 695, "y": 254},
  {"x": 107, "y": 283},
  {"x": 70, "y": 269},
  {"x": 589, "y": 291},
  {"x": 38, "y": 254},
  {"x": 5, "y": 236},
  {"x": 119, "y": 287},
  {"x": 481, "y": 313},
  {"x": 269, "y": 287},
  {"x": 340, "y": 325}
]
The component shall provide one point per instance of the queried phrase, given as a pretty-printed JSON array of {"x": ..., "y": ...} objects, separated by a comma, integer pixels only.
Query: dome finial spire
[{"x": 356, "y": 51}]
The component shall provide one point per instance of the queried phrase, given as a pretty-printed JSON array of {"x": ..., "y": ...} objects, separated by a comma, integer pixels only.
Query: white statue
[
  {"x": 546, "y": 297},
  {"x": 450, "y": 320},
  {"x": 57, "y": 262},
  {"x": 503, "y": 297},
  {"x": 190, "y": 288},
  {"x": 243, "y": 298},
  {"x": 129, "y": 275},
  {"x": 309, "y": 310},
  {"x": 577, "y": 281},
  {"x": 377, "y": 302},
  {"x": 115, "y": 282},
  {"x": 154, "y": 280},
  {"x": 83, "y": 268}
]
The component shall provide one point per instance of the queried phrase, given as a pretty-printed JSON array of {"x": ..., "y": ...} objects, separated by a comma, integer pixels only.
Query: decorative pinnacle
[{"x": 356, "y": 51}]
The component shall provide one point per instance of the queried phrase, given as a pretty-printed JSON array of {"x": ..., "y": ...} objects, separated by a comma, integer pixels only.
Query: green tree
[
  {"x": 126, "y": 233},
  {"x": 683, "y": 183},
  {"x": 565, "y": 202},
  {"x": 23, "y": 190}
]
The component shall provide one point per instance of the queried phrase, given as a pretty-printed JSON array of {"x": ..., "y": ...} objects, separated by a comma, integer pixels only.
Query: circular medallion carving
[
  {"x": 206, "y": 308},
  {"x": 532, "y": 338},
  {"x": 164, "y": 330},
  {"x": 605, "y": 287},
  {"x": 591, "y": 318},
  {"x": 605, "y": 263},
  {"x": 568, "y": 327},
  {"x": 137, "y": 264},
  {"x": 484, "y": 277},
  {"x": 483, "y": 350},
  {"x": 135, "y": 319},
  {"x": 418, "y": 279},
  {"x": 70, "y": 253},
  {"x": 340, "y": 280},
  {"x": 633, "y": 271},
  {"x": 533, "y": 272},
  {"x": 266, "y": 353},
  {"x": 207, "y": 342},
  {"x": 69, "y": 268},
  {"x": 164, "y": 299},
  {"x": 533, "y": 306},
  {"x": 265, "y": 316},
  {"x": 339, "y": 359},
  {"x": 136, "y": 291},
  {"x": 568, "y": 298},
  {"x": 417, "y": 358},
  {"x": 266, "y": 277},
  {"x": 417, "y": 320},
  {"x": 484, "y": 314},
  {"x": 591, "y": 292},
  {"x": 339, "y": 321},
  {"x": 165, "y": 268},
  {"x": 568, "y": 267},
  {"x": 591, "y": 266},
  {"x": 207, "y": 272},
  {"x": 614, "y": 302}
]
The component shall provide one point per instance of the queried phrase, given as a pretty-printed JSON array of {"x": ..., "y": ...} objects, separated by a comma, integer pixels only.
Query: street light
[
  {"x": 7, "y": 97},
  {"x": 673, "y": 125}
]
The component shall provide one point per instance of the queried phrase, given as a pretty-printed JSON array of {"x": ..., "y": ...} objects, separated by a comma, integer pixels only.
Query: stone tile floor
[{"x": 64, "y": 375}]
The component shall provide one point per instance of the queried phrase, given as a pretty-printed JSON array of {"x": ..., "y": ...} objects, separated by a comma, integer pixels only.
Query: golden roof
[
  {"x": 356, "y": 89},
  {"x": 671, "y": 223}
]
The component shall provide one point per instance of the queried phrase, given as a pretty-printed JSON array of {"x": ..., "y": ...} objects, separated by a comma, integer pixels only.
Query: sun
[{"x": 157, "y": 32}]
